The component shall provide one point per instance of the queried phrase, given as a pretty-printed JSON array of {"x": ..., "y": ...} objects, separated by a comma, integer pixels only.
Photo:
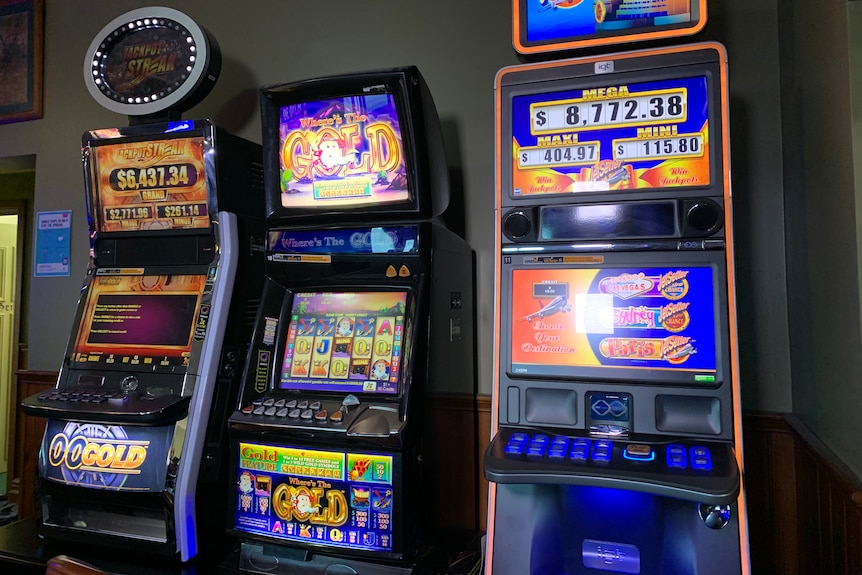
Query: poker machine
[
  {"x": 616, "y": 440},
  {"x": 132, "y": 455},
  {"x": 367, "y": 306}
]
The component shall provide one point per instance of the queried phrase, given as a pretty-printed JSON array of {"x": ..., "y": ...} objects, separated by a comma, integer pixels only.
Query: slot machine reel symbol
[
  {"x": 339, "y": 368},
  {"x": 362, "y": 348},
  {"x": 302, "y": 346},
  {"x": 383, "y": 348}
]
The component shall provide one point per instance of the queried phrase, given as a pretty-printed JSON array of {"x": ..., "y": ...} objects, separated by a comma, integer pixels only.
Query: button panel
[
  {"x": 583, "y": 450},
  {"x": 300, "y": 411}
]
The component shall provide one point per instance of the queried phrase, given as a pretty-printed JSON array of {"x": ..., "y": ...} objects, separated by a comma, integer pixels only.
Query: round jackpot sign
[{"x": 151, "y": 60}]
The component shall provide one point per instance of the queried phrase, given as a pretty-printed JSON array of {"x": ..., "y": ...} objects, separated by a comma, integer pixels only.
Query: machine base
[{"x": 277, "y": 560}]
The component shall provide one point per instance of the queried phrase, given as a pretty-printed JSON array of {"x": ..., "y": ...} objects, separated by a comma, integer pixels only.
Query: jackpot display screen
[
  {"x": 582, "y": 322},
  {"x": 345, "y": 342},
  {"x": 621, "y": 137},
  {"x": 345, "y": 152},
  {"x": 560, "y": 24},
  {"x": 140, "y": 321},
  {"x": 334, "y": 498},
  {"x": 149, "y": 185}
]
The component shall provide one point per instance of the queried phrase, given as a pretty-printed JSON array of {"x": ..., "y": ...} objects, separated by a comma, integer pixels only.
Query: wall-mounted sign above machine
[{"x": 151, "y": 61}]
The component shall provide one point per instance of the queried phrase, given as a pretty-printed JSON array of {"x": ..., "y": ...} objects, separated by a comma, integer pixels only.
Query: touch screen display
[
  {"x": 345, "y": 342},
  {"x": 652, "y": 318},
  {"x": 139, "y": 321}
]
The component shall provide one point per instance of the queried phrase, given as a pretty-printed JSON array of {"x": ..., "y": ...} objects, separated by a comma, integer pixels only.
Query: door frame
[{"x": 14, "y": 208}]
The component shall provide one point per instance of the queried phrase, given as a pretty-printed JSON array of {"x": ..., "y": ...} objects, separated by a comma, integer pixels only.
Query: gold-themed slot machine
[
  {"x": 133, "y": 453},
  {"x": 367, "y": 309}
]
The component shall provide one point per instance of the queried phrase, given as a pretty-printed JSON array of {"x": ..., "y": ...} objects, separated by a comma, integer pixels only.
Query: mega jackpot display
[
  {"x": 640, "y": 318},
  {"x": 333, "y": 498},
  {"x": 150, "y": 185},
  {"x": 634, "y": 136},
  {"x": 345, "y": 342},
  {"x": 344, "y": 151},
  {"x": 146, "y": 322}
]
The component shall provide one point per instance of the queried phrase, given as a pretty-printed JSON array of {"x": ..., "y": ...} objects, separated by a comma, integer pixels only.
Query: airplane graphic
[{"x": 558, "y": 304}]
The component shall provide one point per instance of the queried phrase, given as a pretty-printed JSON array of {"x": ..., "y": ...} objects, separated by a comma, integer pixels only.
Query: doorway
[
  {"x": 17, "y": 185},
  {"x": 9, "y": 282}
]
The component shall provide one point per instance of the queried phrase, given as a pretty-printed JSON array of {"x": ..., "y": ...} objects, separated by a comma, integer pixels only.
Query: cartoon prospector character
[
  {"x": 332, "y": 152},
  {"x": 380, "y": 369},
  {"x": 302, "y": 503},
  {"x": 245, "y": 483},
  {"x": 246, "y": 490},
  {"x": 344, "y": 327}
]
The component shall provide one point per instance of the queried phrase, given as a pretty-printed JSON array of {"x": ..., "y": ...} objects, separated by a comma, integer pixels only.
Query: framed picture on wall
[{"x": 21, "y": 23}]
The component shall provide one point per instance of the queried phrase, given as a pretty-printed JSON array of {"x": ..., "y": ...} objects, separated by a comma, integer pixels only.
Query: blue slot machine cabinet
[
  {"x": 132, "y": 456},
  {"x": 367, "y": 306},
  {"x": 616, "y": 444}
]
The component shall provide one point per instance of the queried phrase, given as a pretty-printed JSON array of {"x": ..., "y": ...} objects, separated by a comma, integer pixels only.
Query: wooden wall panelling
[
  {"x": 450, "y": 463},
  {"x": 28, "y": 439},
  {"x": 829, "y": 514},
  {"x": 771, "y": 487},
  {"x": 483, "y": 406}
]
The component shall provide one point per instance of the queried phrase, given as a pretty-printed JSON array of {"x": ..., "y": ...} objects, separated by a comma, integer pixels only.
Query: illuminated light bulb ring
[{"x": 151, "y": 60}]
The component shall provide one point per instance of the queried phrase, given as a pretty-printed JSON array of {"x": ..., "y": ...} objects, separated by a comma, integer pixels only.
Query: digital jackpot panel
[
  {"x": 634, "y": 136},
  {"x": 345, "y": 151},
  {"x": 547, "y": 25},
  {"x": 332, "y": 498},
  {"x": 641, "y": 318},
  {"x": 345, "y": 342},
  {"x": 150, "y": 185},
  {"x": 140, "y": 321}
]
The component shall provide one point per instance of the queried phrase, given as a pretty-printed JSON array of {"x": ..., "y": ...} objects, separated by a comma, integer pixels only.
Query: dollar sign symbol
[{"x": 541, "y": 118}]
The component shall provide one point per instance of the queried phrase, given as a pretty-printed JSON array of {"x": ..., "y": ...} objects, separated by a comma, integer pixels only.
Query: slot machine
[
  {"x": 367, "y": 306},
  {"x": 132, "y": 455},
  {"x": 616, "y": 441}
]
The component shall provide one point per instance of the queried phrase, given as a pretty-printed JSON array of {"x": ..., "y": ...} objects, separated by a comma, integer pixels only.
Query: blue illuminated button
[
  {"x": 701, "y": 458},
  {"x": 557, "y": 449},
  {"x": 516, "y": 444},
  {"x": 539, "y": 438},
  {"x": 602, "y": 450},
  {"x": 675, "y": 456},
  {"x": 638, "y": 452},
  {"x": 580, "y": 449},
  {"x": 537, "y": 446}
]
